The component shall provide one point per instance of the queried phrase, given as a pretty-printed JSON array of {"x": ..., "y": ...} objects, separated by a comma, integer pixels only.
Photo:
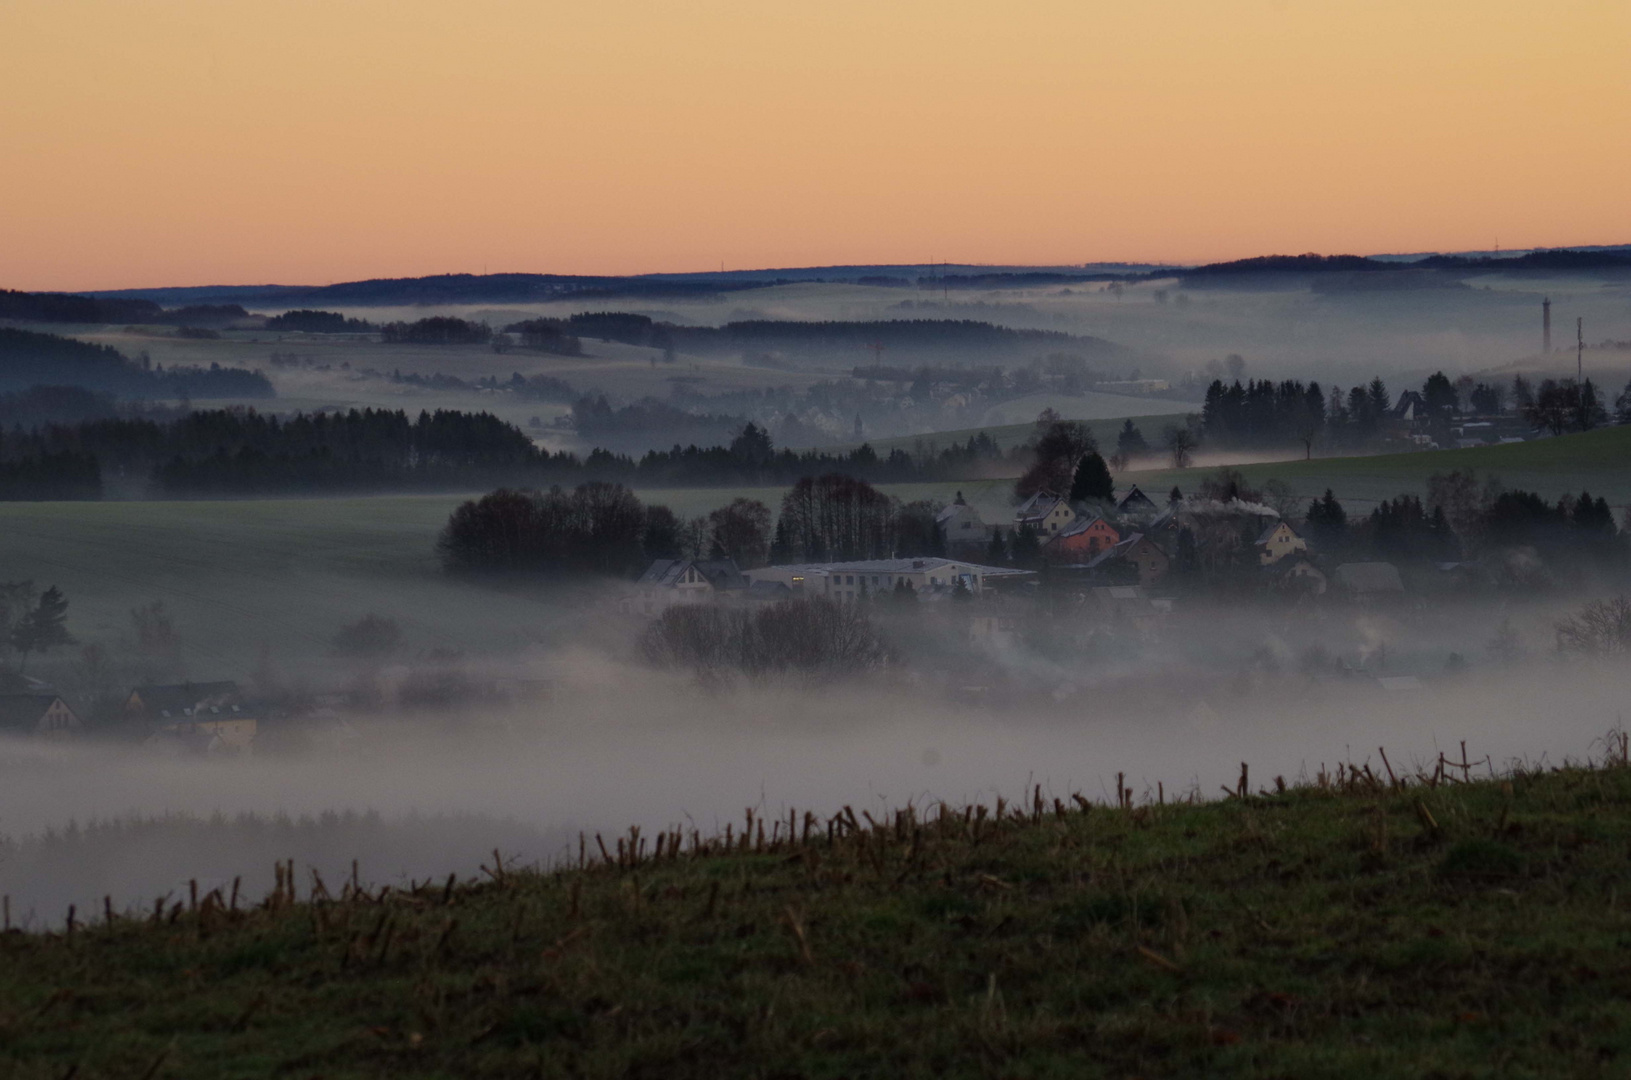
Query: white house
[{"x": 929, "y": 576}]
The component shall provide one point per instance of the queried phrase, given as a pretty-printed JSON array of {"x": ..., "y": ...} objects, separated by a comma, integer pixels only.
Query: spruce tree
[{"x": 1092, "y": 480}]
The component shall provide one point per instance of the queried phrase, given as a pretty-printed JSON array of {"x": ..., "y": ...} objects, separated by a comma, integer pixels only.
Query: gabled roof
[
  {"x": 1037, "y": 507},
  {"x": 1135, "y": 498},
  {"x": 179, "y": 699},
  {"x": 722, "y": 573},
  {"x": 1082, "y": 523},
  {"x": 24, "y": 710},
  {"x": 956, "y": 510},
  {"x": 664, "y": 572},
  {"x": 1274, "y": 527}
]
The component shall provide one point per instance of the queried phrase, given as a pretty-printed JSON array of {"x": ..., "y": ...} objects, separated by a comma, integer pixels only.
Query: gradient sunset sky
[{"x": 169, "y": 142}]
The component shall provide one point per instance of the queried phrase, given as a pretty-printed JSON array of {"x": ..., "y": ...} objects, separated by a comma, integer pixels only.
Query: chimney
[{"x": 1546, "y": 325}]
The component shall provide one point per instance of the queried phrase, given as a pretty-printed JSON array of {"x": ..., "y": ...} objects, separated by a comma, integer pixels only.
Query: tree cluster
[
  {"x": 437, "y": 330},
  {"x": 307, "y": 321},
  {"x": 808, "y": 635},
  {"x": 28, "y": 359}
]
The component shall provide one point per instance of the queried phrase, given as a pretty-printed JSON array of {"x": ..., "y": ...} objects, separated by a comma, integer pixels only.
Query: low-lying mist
[{"x": 618, "y": 744}]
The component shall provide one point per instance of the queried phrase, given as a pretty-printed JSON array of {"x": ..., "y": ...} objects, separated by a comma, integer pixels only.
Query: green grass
[
  {"x": 1344, "y": 928},
  {"x": 1599, "y": 461}
]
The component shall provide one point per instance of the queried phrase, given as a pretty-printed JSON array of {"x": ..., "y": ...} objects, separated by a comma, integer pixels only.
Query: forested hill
[
  {"x": 896, "y": 335},
  {"x": 69, "y": 308},
  {"x": 28, "y": 359}
]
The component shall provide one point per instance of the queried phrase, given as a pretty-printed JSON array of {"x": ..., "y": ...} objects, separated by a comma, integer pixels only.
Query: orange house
[{"x": 1082, "y": 539}]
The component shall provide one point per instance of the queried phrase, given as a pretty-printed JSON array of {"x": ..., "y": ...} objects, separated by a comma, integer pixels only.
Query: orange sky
[{"x": 158, "y": 142}]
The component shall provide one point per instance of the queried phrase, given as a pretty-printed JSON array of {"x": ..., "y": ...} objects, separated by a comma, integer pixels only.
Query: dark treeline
[
  {"x": 228, "y": 452},
  {"x": 1462, "y": 518},
  {"x": 438, "y": 330},
  {"x": 53, "y": 405},
  {"x": 632, "y": 329},
  {"x": 645, "y": 422},
  {"x": 603, "y": 529},
  {"x": 50, "y": 477},
  {"x": 69, "y": 308},
  {"x": 28, "y": 359},
  {"x": 307, "y": 321}
]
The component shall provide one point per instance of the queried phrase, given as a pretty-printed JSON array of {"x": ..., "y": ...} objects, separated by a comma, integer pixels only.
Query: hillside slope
[
  {"x": 1598, "y": 461},
  {"x": 1352, "y": 927}
]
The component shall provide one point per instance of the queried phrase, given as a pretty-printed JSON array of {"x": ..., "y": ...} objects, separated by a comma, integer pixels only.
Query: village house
[
  {"x": 1277, "y": 540},
  {"x": 928, "y": 577},
  {"x": 41, "y": 715},
  {"x": 209, "y": 716},
  {"x": 965, "y": 531},
  {"x": 1140, "y": 554},
  {"x": 1136, "y": 504},
  {"x": 1047, "y": 514},
  {"x": 1081, "y": 540},
  {"x": 678, "y": 581}
]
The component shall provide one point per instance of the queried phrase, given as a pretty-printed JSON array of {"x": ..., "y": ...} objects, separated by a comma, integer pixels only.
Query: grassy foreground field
[{"x": 1349, "y": 927}]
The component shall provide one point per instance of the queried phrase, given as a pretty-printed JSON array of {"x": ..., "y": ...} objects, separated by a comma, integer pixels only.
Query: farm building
[{"x": 43, "y": 715}]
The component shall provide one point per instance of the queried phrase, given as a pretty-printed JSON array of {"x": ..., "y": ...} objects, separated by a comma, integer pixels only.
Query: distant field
[
  {"x": 1011, "y": 435},
  {"x": 287, "y": 573},
  {"x": 1598, "y": 461}
]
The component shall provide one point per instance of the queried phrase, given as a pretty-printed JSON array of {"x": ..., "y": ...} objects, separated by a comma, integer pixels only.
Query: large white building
[{"x": 927, "y": 576}]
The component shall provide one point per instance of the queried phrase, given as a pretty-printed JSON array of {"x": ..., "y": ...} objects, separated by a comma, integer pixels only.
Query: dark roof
[
  {"x": 663, "y": 572},
  {"x": 722, "y": 573},
  {"x": 178, "y": 699},
  {"x": 1135, "y": 498},
  {"x": 24, "y": 710},
  {"x": 1083, "y": 522}
]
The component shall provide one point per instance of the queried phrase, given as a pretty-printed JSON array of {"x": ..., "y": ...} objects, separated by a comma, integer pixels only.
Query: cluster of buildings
[
  {"x": 202, "y": 717},
  {"x": 1130, "y": 542}
]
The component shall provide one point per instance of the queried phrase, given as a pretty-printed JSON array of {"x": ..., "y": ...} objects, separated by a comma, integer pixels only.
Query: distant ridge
[{"x": 526, "y": 287}]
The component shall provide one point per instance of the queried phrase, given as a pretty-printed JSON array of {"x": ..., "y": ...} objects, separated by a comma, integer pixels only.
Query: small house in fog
[
  {"x": 207, "y": 716},
  {"x": 1277, "y": 540},
  {"x": 676, "y": 581},
  {"x": 966, "y": 533},
  {"x": 1369, "y": 579},
  {"x": 1047, "y": 514},
  {"x": 41, "y": 715}
]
